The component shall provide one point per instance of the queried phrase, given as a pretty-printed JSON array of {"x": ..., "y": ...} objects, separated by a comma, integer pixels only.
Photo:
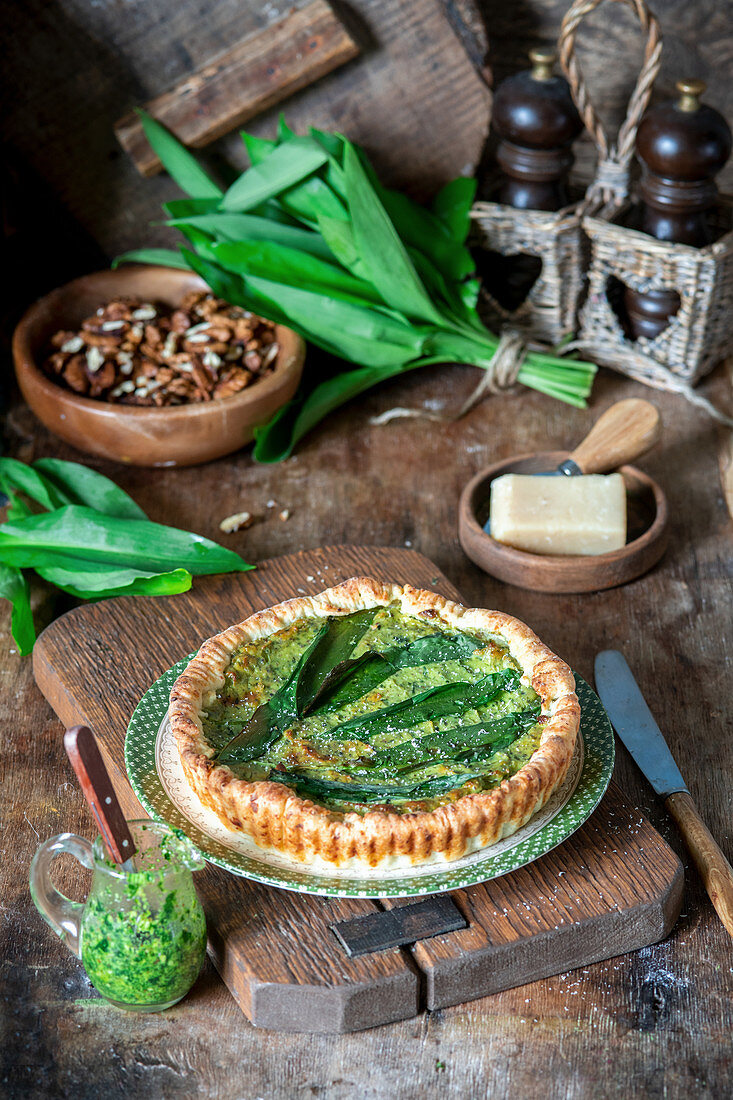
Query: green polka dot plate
[{"x": 157, "y": 778}]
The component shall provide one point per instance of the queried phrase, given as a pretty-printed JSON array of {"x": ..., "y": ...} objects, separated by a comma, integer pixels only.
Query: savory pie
[{"x": 375, "y": 725}]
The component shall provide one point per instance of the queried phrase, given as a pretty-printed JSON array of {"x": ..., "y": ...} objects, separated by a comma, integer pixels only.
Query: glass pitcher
[{"x": 140, "y": 934}]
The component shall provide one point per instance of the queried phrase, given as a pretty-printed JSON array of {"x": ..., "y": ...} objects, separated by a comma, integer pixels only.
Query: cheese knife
[
  {"x": 622, "y": 433},
  {"x": 636, "y": 727}
]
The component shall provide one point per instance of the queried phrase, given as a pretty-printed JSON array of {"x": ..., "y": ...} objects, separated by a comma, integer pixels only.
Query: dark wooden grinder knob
[
  {"x": 682, "y": 145},
  {"x": 536, "y": 120}
]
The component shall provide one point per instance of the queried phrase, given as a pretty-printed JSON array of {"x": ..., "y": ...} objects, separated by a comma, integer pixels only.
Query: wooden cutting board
[{"x": 613, "y": 887}]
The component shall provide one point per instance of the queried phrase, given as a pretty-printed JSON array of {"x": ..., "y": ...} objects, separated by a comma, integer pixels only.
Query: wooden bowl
[
  {"x": 647, "y": 520},
  {"x": 180, "y": 435}
]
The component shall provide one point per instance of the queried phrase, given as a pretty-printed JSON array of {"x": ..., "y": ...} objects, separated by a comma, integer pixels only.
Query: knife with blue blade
[{"x": 636, "y": 728}]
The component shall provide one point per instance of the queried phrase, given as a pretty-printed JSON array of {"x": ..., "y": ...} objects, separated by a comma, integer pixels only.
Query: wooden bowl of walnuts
[{"x": 145, "y": 366}]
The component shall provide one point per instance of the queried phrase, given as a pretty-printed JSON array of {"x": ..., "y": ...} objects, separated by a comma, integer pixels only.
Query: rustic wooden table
[{"x": 656, "y": 1023}]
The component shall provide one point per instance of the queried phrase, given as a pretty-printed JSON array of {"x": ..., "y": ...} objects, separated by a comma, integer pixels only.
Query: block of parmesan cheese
[{"x": 559, "y": 515}]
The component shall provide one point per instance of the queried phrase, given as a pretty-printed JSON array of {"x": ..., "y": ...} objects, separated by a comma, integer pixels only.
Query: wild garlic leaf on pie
[
  {"x": 354, "y": 678},
  {"x": 426, "y": 706},
  {"x": 271, "y": 717},
  {"x": 331, "y": 650},
  {"x": 335, "y": 639},
  {"x": 332, "y": 790},
  {"x": 449, "y": 743}
]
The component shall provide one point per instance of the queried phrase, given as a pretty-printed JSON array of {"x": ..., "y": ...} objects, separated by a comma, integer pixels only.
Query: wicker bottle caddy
[{"x": 699, "y": 333}]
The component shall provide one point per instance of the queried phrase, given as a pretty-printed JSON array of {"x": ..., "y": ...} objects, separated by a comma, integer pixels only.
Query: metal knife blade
[{"x": 634, "y": 723}]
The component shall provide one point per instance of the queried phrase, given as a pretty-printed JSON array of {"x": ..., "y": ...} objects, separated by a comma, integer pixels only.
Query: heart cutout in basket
[
  {"x": 642, "y": 313},
  {"x": 508, "y": 279}
]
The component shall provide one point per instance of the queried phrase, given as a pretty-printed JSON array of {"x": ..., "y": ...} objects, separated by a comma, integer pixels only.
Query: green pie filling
[{"x": 377, "y": 709}]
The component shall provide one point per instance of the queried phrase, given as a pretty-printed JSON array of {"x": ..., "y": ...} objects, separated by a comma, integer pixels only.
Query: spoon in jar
[{"x": 86, "y": 760}]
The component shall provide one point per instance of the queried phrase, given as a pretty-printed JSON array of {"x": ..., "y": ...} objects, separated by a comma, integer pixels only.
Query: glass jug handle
[{"x": 63, "y": 914}]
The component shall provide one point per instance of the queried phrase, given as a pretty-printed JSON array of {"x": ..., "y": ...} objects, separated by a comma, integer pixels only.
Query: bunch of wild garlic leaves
[
  {"x": 82, "y": 533},
  {"x": 308, "y": 237}
]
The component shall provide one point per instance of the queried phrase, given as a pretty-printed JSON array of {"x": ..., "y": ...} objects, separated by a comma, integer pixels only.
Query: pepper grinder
[
  {"x": 536, "y": 120},
  {"x": 682, "y": 145}
]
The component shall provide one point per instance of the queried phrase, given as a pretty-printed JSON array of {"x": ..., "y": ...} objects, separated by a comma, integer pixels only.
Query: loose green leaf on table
[
  {"x": 77, "y": 533},
  {"x": 97, "y": 580},
  {"x": 14, "y": 587},
  {"x": 18, "y": 477},
  {"x": 83, "y": 485},
  {"x": 92, "y": 541}
]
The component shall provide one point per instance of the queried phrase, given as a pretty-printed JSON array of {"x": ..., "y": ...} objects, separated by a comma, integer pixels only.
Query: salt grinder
[
  {"x": 536, "y": 120},
  {"x": 682, "y": 145}
]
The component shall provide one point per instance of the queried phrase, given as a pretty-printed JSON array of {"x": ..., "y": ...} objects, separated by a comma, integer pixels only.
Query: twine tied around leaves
[
  {"x": 506, "y": 363},
  {"x": 500, "y": 374}
]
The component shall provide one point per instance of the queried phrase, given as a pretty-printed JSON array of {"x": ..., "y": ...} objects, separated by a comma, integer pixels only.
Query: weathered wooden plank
[
  {"x": 615, "y": 886},
  {"x": 399, "y": 925},
  {"x": 257, "y": 73}
]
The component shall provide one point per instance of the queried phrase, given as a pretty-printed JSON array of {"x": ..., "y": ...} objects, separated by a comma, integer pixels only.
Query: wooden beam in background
[{"x": 255, "y": 74}]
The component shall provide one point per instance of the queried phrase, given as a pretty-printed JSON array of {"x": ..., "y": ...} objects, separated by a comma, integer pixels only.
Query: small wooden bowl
[
  {"x": 647, "y": 530},
  {"x": 180, "y": 435}
]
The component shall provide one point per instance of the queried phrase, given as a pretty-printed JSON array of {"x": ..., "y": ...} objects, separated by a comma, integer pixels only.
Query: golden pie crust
[{"x": 276, "y": 818}]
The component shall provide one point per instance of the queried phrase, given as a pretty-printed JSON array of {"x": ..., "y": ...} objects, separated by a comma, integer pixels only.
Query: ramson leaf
[
  {"x": 181, "y": 165},
  {"x": 427, "y": 706},
  {"x": 14, "y": 587},
  {"x": 350, "y": 680},
  {"x": 283, "y": 168},
  {"x": 82, "y": 485},
  {"x": 79, "y": 534}
]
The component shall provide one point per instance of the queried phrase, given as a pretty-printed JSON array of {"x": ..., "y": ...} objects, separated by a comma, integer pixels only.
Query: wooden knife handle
[
  {"x": 625, "y": 431},
  {"x": 86, "y": 760},
  {"x": 715, "y": 870}
]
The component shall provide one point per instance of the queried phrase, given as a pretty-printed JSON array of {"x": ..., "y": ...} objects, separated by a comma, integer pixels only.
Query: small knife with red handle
[{"x": 87, "y": 762}]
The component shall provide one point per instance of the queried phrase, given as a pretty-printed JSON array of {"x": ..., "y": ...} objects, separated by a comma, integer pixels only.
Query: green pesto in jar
[
  {"x": 258, "y": 669},
  {"x": 143, "y": 934}
]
